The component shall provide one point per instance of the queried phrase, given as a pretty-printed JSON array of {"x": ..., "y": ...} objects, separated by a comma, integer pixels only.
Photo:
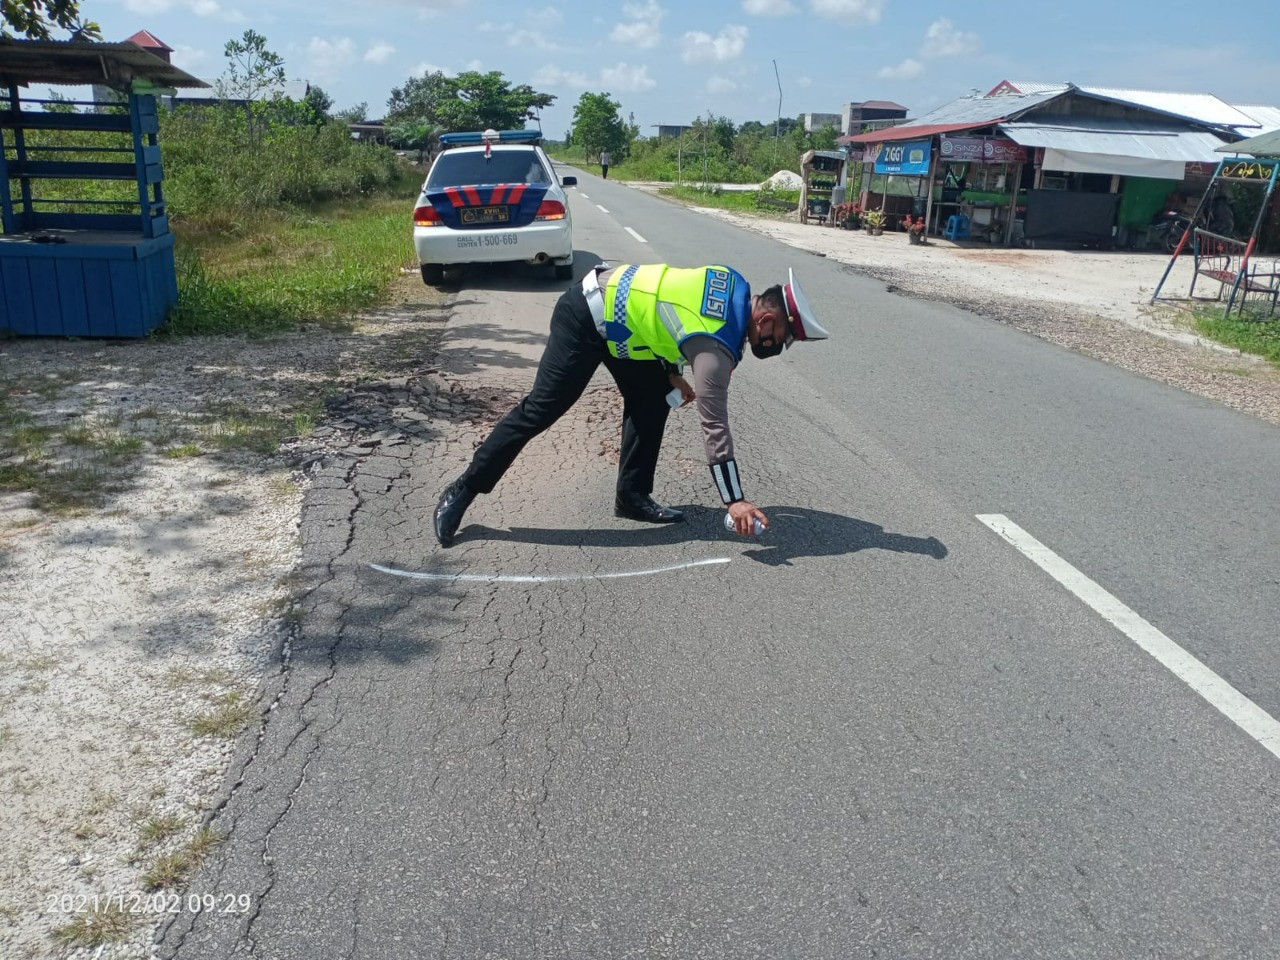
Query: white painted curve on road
[{"x": 548, "y": 578}]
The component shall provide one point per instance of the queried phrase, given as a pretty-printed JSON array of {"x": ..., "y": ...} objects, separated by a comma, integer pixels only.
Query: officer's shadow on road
[{"x": 794, "y": 533}]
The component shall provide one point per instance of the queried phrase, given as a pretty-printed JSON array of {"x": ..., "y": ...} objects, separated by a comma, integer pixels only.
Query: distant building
[
  {"x": 870, "y": 115},
  {"x": 816, "y": 121}
]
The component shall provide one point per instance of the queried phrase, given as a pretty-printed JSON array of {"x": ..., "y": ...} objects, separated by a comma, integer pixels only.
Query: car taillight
[
  {"x": 550, "y": 210},
  {"x": 426, "y": 217}
]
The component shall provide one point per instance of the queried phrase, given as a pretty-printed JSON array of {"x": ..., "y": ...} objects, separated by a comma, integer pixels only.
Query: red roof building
[{"x": 152, "y": 44}]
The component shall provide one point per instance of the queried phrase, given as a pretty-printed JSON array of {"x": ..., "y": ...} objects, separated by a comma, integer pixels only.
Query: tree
[
  {"x": 37, "y": 19},
  {"x": 252, "y": 69},
  {"x": 319, "y": 102},
  {"x": 469, "y": 101},
  {"x": 597, "y": 126},
  {"x": 484, "y": 101},
  {"x": 420, "y": 135},
  {"x": 357, "y": 114},
  {"x": 420, "y": 97}
]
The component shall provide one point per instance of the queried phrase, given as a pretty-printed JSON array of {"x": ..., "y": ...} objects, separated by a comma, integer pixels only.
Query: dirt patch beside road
[{"x": 137, "y": 624}]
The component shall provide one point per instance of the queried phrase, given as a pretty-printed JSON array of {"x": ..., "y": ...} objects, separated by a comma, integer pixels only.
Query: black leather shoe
[
  {"x": 642, "y": 507},
  {"x": 453, "y": 504}
]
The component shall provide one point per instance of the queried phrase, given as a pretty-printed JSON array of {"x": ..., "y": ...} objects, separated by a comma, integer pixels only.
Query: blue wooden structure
[{"x": 81, "y": 266}]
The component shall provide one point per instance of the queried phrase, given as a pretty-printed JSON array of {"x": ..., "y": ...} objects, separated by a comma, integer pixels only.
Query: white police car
[{"x": 490, "y": 197}]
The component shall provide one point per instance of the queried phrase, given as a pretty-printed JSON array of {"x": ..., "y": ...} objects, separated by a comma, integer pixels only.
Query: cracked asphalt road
[{"x": 874, "y": 732}]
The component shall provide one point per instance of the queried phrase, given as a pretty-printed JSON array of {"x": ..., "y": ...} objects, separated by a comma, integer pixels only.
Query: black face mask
[{"x": 764, "y": 353}]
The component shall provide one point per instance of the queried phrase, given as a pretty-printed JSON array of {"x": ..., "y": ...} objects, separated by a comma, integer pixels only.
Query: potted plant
[
  {"x": 874, "y": 220},
  {"x": 848, "y": 214},
  {"x": 914, "y": 228}
]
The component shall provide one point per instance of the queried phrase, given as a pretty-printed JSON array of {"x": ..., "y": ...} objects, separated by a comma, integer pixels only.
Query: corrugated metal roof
[
  {"x": 1263, "y": 145},
  {"x": 1028, "y": 86},
  {"x": 904, "y": 131},
  {"x": 1200, "y": 107},
  {"x": 76, "y": 62},
  {"x": 1117, "y": 138},
  {"x": 963, "y": 113},
  {"x": 293, "y": 89},
  {"x": 1268, "y": 118}
]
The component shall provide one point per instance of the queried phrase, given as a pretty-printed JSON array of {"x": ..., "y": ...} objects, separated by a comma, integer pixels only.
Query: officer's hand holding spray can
[{"x": 675, "y": 399}]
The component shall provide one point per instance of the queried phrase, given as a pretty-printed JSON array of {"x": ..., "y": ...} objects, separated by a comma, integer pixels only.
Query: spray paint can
[{"x": 732, "y": 527}]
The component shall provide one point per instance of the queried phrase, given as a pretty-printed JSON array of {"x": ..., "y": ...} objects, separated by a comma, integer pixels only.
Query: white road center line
[
  {"x": 636, "y": 235},
  {"x": 583, "y": 195},
  {"x": 550, "y": 578},
  {"x": 1235, "y": 706},
  {"x": 601, "y": 209}
]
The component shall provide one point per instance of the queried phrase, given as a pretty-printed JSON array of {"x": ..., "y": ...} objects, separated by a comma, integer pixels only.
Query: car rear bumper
[{"x": 552, "y": 240}]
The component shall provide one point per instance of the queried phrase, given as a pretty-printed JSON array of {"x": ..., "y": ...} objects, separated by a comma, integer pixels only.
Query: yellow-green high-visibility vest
[{"x": 650, "y": 310}]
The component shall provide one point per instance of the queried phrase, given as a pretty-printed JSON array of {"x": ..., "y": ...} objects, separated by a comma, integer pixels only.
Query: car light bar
[{"x": 474, "y": 138}]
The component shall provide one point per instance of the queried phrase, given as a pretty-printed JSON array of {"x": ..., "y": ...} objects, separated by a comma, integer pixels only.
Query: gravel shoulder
[{"x": 140, "y": 621}]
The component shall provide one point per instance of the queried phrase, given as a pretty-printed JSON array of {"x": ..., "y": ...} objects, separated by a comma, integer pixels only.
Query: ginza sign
[{"x": 983, "y": 150}]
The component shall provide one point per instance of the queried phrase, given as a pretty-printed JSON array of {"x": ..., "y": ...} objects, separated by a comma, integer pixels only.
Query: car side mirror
[{"x": 569, "y": 181}]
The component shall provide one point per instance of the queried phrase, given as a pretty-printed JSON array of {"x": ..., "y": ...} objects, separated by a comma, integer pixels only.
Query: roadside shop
[{"x": 86, "y": 248}]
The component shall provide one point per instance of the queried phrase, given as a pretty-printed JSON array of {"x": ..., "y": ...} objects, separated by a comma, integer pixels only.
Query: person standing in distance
[
  {"x": 604, "y": 164},
  {"x": 645, "y": 323}
]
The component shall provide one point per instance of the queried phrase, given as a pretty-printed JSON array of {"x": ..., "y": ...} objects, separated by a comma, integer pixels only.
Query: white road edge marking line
[
  {"x": 601, "y": 209},
  {"x": 636, "y": 235},
  {"x": 1230, "y": 702},
  {"x": 554, "y": 578}
]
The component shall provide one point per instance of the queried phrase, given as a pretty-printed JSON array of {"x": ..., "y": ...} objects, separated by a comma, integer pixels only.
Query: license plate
[
  {"x": 472, "y": 215},
  {"x": 489, "y": 239}
]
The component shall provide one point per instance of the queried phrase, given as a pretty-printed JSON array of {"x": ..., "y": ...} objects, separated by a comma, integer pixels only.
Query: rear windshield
[{"x": 462, "y": 167}]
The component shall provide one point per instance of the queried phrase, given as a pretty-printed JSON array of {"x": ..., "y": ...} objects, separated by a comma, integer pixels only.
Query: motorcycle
[{"x": 1167, "y": 229}]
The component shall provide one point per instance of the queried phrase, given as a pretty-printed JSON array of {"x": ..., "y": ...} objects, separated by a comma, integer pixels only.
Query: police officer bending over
[{"x": 645, "y": 324}]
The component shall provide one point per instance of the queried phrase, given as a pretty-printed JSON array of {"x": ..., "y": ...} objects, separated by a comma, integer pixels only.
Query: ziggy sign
[{"x": 908, "y": 158}]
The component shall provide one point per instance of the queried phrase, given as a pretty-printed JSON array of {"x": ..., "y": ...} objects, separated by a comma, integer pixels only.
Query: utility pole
[{"x": 778, "y": 123}]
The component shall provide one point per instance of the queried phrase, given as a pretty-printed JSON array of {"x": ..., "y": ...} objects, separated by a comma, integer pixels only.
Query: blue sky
[{"x": 668, "y": 62}]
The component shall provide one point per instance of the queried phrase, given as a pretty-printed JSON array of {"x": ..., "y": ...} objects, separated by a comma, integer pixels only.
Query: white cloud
[
  {"x": 326, "y": 58},
  {"x": 805, "y": 81},
  {"x": 627, "y": 79},
  {"x": 849, "y": 11},
  {"x": 547, "y": 15},
  {"x": 475, "y": 66},
  {"x": 942, "y": 39},
  {"x": 768, "y": 8},
  {"x": 906, "y": 70},
  {"x": 728, "y": 44},
  {"x": 189, "y": 58},
  {"x": 555, "y": 77},
  {"x": 528, "y": 38},
  {"x": 422, "y": 69},
  {"x": 649, "y": 10},
  {"x": 211, "y": 8},
  {"x": 379, "y": 53},
  {"x": 644, "y": 28},
  {"x": 641, "y": 35},
  {"x": 148, "y": 6},
  {"x": 719, "y": 84}
]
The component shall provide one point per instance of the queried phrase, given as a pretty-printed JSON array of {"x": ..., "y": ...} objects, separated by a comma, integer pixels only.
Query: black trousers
[{"x": 574, "y": 351}]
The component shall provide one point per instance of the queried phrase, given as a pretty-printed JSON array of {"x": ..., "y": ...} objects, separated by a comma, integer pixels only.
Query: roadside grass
[
  {"x": 740, "y": 202},
  {"x": 230, "y": 714},
  {"x": 96, "y": 927},
  {"x": 291, "y": 269},
  {"x": 1260, "y": 337},
  {"x": 172, "y": 869}
]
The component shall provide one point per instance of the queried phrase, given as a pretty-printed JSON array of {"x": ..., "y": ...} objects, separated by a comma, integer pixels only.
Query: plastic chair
[{"x": 957, "y": 227}]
